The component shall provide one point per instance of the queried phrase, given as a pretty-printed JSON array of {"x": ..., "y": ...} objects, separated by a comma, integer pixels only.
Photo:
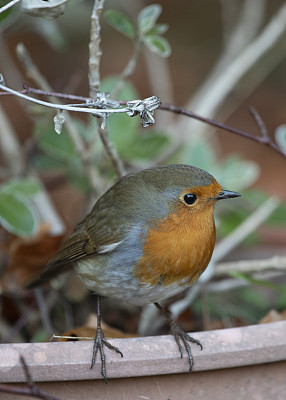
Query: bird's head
[{"x": 157, "y": 192}]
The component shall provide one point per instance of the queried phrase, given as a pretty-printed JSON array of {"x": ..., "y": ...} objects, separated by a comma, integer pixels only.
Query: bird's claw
[
  {"x": 180, "y": 334},
  {"x": 99, "y": 343}
]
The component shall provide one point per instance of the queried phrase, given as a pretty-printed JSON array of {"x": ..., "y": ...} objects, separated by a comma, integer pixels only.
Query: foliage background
[{"x": 197, "y": 33}]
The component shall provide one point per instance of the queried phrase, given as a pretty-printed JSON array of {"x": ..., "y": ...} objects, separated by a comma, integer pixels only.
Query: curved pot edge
[{"x": 64, "y": 361}]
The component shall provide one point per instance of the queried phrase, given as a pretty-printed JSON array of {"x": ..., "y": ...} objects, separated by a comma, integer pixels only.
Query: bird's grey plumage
[{"x": 117, "y": 211}]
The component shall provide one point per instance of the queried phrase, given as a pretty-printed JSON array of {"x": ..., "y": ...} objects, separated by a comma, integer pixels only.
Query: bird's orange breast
[{"x": 178, "y": 249}]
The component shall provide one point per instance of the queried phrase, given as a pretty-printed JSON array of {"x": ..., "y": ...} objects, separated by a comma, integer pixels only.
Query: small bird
[{"x": 149, "y": 237}]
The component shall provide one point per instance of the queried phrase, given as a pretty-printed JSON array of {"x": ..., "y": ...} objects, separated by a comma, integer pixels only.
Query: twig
[
  {"x": 32, "y": 390},
  {"x": 15, "y": 160},
  {"x": 71, "y": 337},
  {"x": 13, "y": 333},
  {"x": 94, "y": 85},
  {"x": 111, "y": 151},
  {"x": 5, "y": 330},
  {"x": 9, "y": 5},
  {"x": 47, "y": 324},
  {"x": 160, "y": 78},
  {"x": 29, "y": 379},
  {"x": 260, "y": 139},
  {"x": 276, "y": 263},
  {"x": 251, "y": 15},
  {"x": 128, "y": 70},
  {"x": 65, "y": 107},
  {"x": 150, "y": 320},
  {"x": 260, "y": 123},
  {"x": 10, "y": 148},
  {"x": 31, "y": 69},
  {"x": 87, "y": 162},
  {"x": 260, "y": 215},
  {"x": 144, "y": 108},
  {"x": 264, "y": 139},
  {"x": 209, "y": 96},
  {"x": 226, "y": 285},
  {"x": 28, "y": 90},
  {"x": 94, "y": 48},
  {"x": 233, "y": 72}
]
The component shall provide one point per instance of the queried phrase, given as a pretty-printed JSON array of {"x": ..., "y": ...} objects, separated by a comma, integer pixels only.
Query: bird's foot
[
  {"x": 99, "y": 343},
  {"x": 180, "y": 334}
]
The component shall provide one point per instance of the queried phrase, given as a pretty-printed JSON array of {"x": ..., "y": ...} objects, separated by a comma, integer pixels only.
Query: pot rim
[{"x": 145, "y": 356}]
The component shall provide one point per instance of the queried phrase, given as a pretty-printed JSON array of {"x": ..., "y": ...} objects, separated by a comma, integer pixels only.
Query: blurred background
[{"x": 216, "y": 58}]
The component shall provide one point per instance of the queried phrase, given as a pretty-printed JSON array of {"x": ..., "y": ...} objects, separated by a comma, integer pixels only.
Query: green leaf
[
  {"x": 121, "y": 128},
  {"x": 128, "y": 91},
  {"x": 278, "y": 217},
  {"x": 46, "y": 163},
  {"x": 25, "y": 186},
  {"x": 236, "y": 173},
  {"x": 5, "y": 14},
  {"x": 40, "y": 335},
  {"x": 158, "y": 44},
  {"x": 280, "y": 136},
  {"x": 281, "y": 301},
  {"x": 57, "y": 146},
  {"x": 254, "y": 299},
  {"x": 146, "y": 146},
  {"x": 120, "y": 22},
  {"x": 17, "y": 214},
  {"x": 148, "y": 17},
  {"x": 79, "y": 181},
  {"x": 158, "y": 29},
  {"x": 227, "y": 222},
  {"x": 200, "y": 154},
  {"x": 256, "y": 197}
]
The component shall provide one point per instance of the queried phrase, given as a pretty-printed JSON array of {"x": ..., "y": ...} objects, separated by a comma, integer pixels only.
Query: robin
[{"x": 149, "y": 237}]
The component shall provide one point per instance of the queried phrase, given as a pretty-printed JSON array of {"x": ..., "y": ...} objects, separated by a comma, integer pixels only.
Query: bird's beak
[{"x": 226, "y": 194}]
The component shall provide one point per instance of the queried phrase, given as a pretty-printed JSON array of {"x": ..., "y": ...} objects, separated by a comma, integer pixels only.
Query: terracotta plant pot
[{"x": 237, "y": 363}]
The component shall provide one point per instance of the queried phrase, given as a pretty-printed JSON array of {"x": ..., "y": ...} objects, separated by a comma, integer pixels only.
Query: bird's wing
[{"x": 100, "y": 232}]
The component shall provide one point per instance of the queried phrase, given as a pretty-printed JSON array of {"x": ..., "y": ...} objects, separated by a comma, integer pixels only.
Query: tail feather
[
  {"x": 51, "y": 271},
  {"x": 72, "y": 249}
]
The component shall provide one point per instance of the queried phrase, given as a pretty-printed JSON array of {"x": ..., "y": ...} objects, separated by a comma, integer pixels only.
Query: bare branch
[
  {"x": 31, "y": 390},
  {"x": 260, "y": 123},
  {"x": 250, "y": 224},
  {"x": 276, "y": 263},
  {"x": 9, "y": 5},
  {"x": 28, "y": 90},
  {"x": 111, "y": 151},
  {"x": 94, "y": 84},
  {"x": 128, "y": 70},
  {"x": 144, "y": 108},
  {"x": 98, "y": 107},
  {"x": 94, "y": 48},
  {"x": 239, "y": 66},
  {"x": 265, "y": 140},
  {"x": 88, "y": 109},
  {"x": 10, "y": 148}
]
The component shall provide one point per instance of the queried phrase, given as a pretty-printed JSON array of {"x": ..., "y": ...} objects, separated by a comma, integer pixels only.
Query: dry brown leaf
[
  {"x": 273, "y": 316},
  {"x": 89, "y": 331},
  {"x": 27, "y": 257}
]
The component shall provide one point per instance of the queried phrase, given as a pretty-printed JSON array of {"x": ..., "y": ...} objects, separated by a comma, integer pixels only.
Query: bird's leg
[
  {"x": 178, "y": 334},
  {"x": 99, "y": 342}
]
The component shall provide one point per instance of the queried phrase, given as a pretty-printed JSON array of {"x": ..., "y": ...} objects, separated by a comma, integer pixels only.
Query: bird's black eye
[{"x": 190, "y": 198}]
